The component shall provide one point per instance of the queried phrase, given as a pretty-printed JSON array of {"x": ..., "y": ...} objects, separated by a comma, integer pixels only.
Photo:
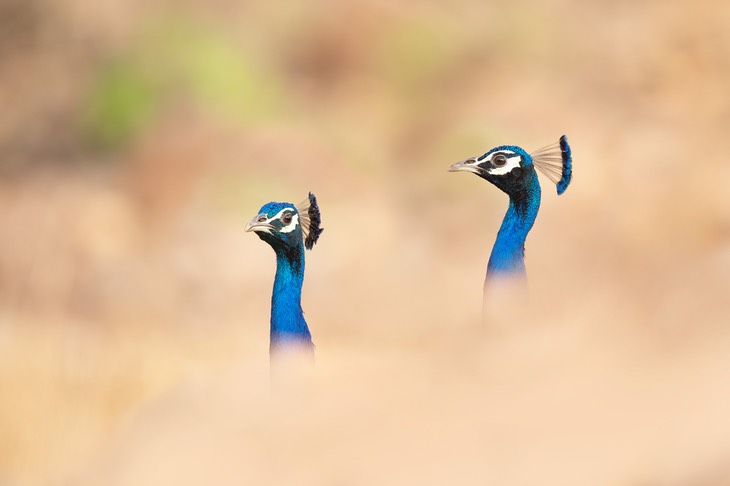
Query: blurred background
[{"x": 138, "y": 137}]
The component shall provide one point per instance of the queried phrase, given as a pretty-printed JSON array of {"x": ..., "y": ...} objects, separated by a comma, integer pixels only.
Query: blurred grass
[
  {"x": 176, "y": 58},
  {"x": 121, "y": 104}
]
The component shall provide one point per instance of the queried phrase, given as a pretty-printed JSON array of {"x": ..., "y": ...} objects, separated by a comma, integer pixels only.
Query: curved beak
[
  {"x": 259, "y": 223},
  {"x": 467, "y": 165}
]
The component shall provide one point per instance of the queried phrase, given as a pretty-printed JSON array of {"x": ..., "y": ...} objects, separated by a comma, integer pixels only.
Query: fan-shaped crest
[
  {"x": 556, "y": 162},
  {"x": 310, "y": 221}
]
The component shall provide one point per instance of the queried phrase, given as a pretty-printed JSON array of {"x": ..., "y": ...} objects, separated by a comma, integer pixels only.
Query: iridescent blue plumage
[
  {"x": 508, "y": 253},
  {"x": 286, "y": 228},
  {"x": 512, "y": 170}
]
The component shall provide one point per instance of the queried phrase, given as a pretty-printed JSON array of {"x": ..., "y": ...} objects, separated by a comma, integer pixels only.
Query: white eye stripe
[
  {"x": 291, "y": 226},
  {"x": 278, "y": 215},
  {"x": 512, "y": 163},
  {"x": 488, "y": 158},
  {"x": 288, "y": 228},
  {"x": 503, "y": 152}
]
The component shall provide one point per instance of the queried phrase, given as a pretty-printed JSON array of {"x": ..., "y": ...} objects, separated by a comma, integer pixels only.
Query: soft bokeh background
[{"x": 138, "y": 137}]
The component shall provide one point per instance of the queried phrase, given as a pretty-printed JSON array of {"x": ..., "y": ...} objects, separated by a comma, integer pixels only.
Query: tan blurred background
[{"x": 138, "y": 137}]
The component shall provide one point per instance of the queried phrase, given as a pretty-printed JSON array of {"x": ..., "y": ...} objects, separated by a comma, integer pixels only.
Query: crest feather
[
  {"x": 556, "y": 162},
  {"x": 310, "y": 221}
]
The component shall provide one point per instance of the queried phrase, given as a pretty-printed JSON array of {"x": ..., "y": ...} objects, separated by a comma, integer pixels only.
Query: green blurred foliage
[
  {"x": 176, "y": 60},
  {"x": 120, "y": 105}
]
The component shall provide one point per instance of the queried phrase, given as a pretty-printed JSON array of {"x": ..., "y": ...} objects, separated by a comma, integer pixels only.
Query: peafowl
[
  {"x": 288, "y": 229},
  {"x": 512, "y": 170}
]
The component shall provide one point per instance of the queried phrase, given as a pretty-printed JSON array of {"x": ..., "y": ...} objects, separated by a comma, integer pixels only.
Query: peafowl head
[
  {"x": 512, "y": 169},
  {"x": 285, "y": 226}
]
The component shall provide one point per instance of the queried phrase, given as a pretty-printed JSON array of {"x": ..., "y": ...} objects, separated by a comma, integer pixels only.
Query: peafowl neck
[
  {"x": 508, "y": 253},
  {"x": 287, "y": 319}
]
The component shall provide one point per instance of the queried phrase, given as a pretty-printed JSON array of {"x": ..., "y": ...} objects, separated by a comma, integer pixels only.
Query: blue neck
[
  {"x": 287, "y": 319},
  {"x": 508, "y": 253}
]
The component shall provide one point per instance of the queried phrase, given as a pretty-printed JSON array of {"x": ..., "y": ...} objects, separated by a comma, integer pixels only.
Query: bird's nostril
[{"x": 262, "y": 219}]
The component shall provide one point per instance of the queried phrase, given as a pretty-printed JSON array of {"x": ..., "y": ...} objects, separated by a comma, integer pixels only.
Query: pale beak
[
  {"x": 259, "y": 223},
  {"x": 468, "y": 165}
]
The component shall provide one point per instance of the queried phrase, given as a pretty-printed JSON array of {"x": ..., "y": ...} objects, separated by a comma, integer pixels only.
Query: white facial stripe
[
  {"x": 278, "y": 215},
  {"x": 286, "y": 229},
  {"x": 512, "y": 163},
  {"x": 504, "y": 152},
  {"x": 291, "y": 226}
]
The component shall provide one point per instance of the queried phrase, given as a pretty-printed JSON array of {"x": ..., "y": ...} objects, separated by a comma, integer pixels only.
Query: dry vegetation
[{"x": 137, "y": 138}]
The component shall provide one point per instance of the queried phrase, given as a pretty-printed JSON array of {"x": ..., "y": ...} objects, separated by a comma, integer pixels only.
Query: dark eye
[
  {"x": 286, "y": 219},
  {"x": 499, "y": 160}
]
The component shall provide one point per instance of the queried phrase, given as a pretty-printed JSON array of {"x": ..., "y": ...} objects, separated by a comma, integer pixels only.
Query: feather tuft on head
[
  {"x": 310, "y": 220},
  {"x": 556, "y": 162}
]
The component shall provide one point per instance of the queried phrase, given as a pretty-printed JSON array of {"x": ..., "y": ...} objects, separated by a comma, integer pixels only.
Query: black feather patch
[
  {"x": 567, "y": 171},
  {"x": 315, "y": 220}
]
